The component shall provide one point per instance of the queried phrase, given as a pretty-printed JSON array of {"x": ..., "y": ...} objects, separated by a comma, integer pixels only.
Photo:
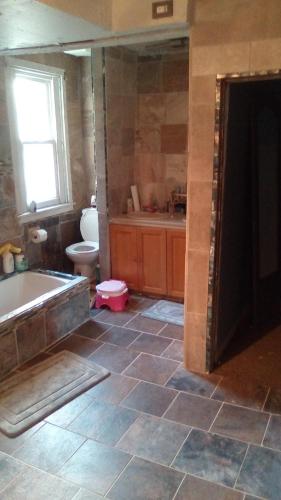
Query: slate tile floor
[{"x": 152, "y": 430}]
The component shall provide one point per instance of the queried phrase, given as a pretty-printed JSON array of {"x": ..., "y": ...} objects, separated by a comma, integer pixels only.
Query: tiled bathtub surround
[
  {"x": 62, "y": 230},
  {"x": 161, "y": 126},
  {"x": 24, "y": 336}
]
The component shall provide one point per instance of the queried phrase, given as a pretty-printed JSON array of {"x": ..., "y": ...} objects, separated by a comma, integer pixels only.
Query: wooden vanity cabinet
[
  {"x": 175, "y": 263},
  {"x": 124, "y": 254},
  {"x": 150, "y": 259}
]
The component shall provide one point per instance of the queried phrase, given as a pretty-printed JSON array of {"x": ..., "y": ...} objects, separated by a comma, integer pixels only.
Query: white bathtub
[
  {"x": 36, "y": 310},
  {"x": 20, "y": 291}
]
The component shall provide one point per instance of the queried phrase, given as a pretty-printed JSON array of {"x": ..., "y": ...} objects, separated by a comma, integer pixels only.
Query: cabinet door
[
  {"x": 152, "y": 260},
  {"x": 124, "y": 255},
  {"x": 175, "y": 263}
]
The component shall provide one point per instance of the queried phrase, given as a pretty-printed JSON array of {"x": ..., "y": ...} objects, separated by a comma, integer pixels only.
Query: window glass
[
  {"x": 39, "y": 136},
  {"x": 32, "y": 102},
  {"x": 39, "y": 173}
]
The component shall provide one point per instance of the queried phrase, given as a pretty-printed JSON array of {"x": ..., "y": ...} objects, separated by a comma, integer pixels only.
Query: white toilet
[{"x": 85, "y": 253}]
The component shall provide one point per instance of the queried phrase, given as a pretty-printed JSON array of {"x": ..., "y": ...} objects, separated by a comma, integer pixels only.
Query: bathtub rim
[{"x": 32, "y": 306}]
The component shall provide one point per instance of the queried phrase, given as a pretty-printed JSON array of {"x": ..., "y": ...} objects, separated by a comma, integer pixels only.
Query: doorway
[{"x": 246, "y": 295}]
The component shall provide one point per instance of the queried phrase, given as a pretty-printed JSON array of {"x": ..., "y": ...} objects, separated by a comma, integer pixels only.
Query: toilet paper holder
[{"x": 37, "y": 235}]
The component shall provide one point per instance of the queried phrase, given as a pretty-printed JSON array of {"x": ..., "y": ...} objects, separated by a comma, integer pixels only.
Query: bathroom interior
[
  {"x": 94, "y": 401},
  {"x": 126, "y": 110}
]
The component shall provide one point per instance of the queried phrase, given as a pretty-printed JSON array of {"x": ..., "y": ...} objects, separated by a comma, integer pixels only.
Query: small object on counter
[
  {"x": 130, "y": 205},
  {"x": 135, "y": 196},
  {"x": 21, "y": 263}
]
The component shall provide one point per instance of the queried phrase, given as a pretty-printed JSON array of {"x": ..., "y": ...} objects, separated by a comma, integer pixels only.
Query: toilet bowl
[{"x": 85, "y": 253}]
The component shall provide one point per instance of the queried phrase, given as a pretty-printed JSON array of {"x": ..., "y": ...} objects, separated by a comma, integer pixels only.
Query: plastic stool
[{"x": 113, "y": 294}]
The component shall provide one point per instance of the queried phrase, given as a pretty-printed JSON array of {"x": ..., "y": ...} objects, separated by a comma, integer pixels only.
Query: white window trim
[{"x": 62, "y": 144}]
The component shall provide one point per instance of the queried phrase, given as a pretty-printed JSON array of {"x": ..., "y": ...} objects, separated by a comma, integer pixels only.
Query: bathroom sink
[{"x": 148, "y": 215}]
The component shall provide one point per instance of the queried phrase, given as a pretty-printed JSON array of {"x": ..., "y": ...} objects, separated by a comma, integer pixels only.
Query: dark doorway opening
[{"x": 248, "y": 248}]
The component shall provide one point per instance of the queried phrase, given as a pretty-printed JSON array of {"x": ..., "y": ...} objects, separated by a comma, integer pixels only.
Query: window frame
[{"x": 55, "y": 77}]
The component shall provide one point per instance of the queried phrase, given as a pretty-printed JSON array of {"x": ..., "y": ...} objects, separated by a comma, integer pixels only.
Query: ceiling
[{"x": 28, "y": 23}]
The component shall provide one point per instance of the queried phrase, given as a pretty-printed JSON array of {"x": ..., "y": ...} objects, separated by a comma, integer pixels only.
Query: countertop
[{"x": 176, "y": 221}]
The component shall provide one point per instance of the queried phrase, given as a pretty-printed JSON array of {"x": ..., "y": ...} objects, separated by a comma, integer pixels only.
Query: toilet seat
[{"x": 83, "y": 247}]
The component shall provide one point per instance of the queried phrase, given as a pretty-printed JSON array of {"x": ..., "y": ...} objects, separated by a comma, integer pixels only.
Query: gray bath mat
[
  {"x": 28, "y": 397},
  {"x": 167, "y": 311}
]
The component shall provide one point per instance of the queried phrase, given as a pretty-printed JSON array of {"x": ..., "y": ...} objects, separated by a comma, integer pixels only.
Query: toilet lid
[
  {"x": 112, "y": 287},
  {"x": 89, "y": 225}
]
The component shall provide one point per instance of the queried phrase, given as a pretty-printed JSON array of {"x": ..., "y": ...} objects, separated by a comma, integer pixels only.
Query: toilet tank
[{"x": 89, "y": 225}]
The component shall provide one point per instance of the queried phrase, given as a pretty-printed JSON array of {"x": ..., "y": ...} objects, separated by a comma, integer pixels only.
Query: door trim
[{"x": 222, "y": 85}]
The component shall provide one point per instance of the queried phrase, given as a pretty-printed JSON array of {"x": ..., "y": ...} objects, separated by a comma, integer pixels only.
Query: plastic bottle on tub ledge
[{"x": 21, "y": 263}]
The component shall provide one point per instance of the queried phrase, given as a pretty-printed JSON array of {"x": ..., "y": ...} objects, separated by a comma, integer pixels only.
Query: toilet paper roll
[
  {"x": 39, "y": 235},
  {"x": 135, "y": 196}
]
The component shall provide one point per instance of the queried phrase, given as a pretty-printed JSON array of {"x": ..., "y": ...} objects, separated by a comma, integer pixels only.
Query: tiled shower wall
[
  {"x": 161, "y": 128},
  {"x": 121, "y": 99},
  {"x": 62, "y": 230}
]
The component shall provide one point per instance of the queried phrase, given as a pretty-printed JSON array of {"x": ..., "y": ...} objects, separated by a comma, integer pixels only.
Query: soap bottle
[
  {"x": 8, "y": 263},
  {"x": 21, "y": 263}
]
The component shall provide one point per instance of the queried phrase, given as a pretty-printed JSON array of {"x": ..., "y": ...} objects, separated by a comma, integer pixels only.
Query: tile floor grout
[
  {"x": 179, "y": 487},
  {"x": 266, "y": 398},
  {"x": 265, "y": 431},
  {"x": 140, "y": 414},
  {"x": 136, "y": 330},
  {"x": 241, "y": 466},
  {"x": 179, "y": 450},
  {"x": 172, "y": 402},
  {"x": 217, "y": 414},
  {"x": 115, "y": 481}
]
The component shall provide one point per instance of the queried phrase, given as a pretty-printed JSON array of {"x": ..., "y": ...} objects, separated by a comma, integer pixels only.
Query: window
[{"x": 39, "y": 138}]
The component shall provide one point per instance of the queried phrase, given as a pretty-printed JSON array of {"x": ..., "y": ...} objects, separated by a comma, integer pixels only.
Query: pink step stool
[{"x": 113, "y": 294}]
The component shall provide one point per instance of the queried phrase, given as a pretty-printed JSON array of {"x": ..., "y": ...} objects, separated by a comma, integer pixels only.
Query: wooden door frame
[{"x": 221, "y": 107}]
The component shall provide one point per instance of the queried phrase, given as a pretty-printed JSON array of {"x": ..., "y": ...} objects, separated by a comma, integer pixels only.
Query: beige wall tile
[
  {"x": 266, "y": 54},
  {"x": 200, "y": 204},
  {"x": 195, "y": 342},
  {"x": 175, "y": 76},
  {"x": 148, "y": 140},
  {"x": 201, "y": 131},
  {"x": 197, "y": 279},
  {"x": 176, "y": 168},
  {"x": 220, "y": 59},
  {"x": 173, "y": 139},
  {"x": 149, "y": 77},
  {"x": 176, "y": 107},
  {"x": 226, "y": 21},
  {"x": 149, "y": 168},
  {"x": 201, "y": 169},
  {"x": 202, "y": 90},
  {"x": 151, "y": 109}
]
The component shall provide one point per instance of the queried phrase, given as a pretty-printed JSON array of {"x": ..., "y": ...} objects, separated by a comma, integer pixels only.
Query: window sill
[{"x": 45, "y": 212}]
